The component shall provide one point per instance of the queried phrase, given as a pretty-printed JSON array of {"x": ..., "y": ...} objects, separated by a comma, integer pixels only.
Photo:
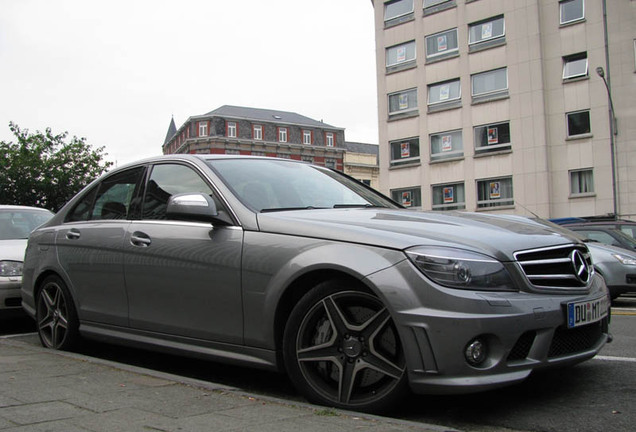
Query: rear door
[
  {"x": 89, "y": 247},
  {"x": 183, "y": 278}
]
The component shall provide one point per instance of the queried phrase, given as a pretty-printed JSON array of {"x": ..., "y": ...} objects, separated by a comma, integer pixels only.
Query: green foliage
[{"x": 43, "y": 170}]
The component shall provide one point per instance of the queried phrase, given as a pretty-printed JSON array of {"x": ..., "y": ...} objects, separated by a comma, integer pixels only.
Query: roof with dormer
[{"x": 266, "y": 115}]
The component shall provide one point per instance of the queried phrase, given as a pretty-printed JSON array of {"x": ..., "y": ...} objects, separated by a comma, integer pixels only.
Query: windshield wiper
[
  {"x": 357, "y": 206},
  {"x": 279, "y": 209}
]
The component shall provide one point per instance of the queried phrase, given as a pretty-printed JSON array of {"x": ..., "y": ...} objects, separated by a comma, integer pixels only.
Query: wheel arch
[
  {"x": 38, "y": 283},
  {"x": 298, "y": 288}
]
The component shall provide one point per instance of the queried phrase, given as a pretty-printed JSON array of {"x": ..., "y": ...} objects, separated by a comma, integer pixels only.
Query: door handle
[
  {"x": 140, "y": 239},
  {"x": 73, "y": 234}
]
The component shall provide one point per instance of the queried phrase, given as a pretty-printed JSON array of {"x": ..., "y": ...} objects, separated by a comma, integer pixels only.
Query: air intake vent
[{"x": 564, "y": 267}]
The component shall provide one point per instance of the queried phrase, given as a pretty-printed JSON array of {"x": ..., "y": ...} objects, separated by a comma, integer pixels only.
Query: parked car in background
[
  {"x": 620, "y": 233},
  {"x": 288, "y": 266},
  {"x": 16, "y": 223},
  {"x": 616, "y": 265}
]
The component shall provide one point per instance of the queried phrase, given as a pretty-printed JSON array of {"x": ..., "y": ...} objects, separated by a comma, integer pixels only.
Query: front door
[{"x": 182, "y": 278}]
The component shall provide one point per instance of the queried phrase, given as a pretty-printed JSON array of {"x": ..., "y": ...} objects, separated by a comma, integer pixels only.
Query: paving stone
[{"x": 40, "y": 412}]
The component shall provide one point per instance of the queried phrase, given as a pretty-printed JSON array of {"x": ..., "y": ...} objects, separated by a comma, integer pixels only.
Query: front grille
[
  {"x": 522, "y": 348},
  {"x": 570, "y": 341},
  {"x": 568, "y": 266}
]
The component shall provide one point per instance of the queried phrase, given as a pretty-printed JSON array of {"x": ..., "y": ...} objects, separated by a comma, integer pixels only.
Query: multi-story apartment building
[
  {"x": 263, "y": 132},
  {"x": 499, "y": 105}
]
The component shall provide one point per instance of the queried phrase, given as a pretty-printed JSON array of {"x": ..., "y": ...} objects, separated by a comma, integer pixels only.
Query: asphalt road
[{"x": 596, "y": 395}]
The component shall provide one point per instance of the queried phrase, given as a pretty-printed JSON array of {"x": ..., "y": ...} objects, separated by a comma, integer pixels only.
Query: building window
[
  {"x": 282, "y": 134},
  {"x": 330, "y": 140},
  {"x": 330, "y": 163},
  {"x": 444, "y": 92},
  {"x": 581, "y": 182},
  {"x": 405, "y": 151},
  {"x": 400, "y": 55},
  {"x": 578, "y": 123},
  {"x": 429, "y": 3},
  {"x": 402, "y": 102},
  {"x": 411, "y": 197},
  {"x": 492, "y": 137},
  {"x": 441, "y": 44},
  {"x": 398, "y": 10},
  {"x": 433, "y": 6},
  {"x": 575, "y": 66},
  {"x": 447, "y": 145},
  {"x": 257, "y": 132},
  {"x": 307, "y": 137},
  {"x": 490, "y": 83},
  {"x": 494, "y": 192},
  {"x": 231, "y": 130},
  {"x": 203, "y": 129},
  {"x": 572, "y": 11},
  {"x": 308, "y": 159},
  {"x": 488, "y": 32},
  {"x": 449, "y": 197}
]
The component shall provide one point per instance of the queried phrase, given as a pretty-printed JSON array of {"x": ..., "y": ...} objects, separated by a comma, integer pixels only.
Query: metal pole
[{"x": 612, "y": 116}]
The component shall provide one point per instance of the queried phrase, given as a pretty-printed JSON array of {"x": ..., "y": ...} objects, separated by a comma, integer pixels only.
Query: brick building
[{"x": 260, "y": 132}]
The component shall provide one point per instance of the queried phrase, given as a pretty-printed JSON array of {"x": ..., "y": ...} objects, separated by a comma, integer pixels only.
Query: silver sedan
[{"x": 288, "y": 266}]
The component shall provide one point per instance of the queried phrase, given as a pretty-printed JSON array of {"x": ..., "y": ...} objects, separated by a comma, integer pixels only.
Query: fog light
[{"x": 476, "y": 352}]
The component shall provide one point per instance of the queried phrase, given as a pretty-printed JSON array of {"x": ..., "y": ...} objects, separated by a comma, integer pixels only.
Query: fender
[{"x": 266, "y": 276}]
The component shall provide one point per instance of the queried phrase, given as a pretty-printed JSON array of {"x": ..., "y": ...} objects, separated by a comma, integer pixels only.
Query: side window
[
  {"x": 111, "y": 199},
  {"x": 82, "y": 210},
  {"x": 167, "y": 180},
  {"x": 115, "y": 195}
]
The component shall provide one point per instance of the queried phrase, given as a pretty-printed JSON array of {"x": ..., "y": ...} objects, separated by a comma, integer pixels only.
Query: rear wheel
[
  {"x": 342, "y": 349},
  {"x": 56, "y": 317}
]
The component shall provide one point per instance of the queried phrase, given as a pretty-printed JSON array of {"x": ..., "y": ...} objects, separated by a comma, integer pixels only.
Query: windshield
[
  {"x": 18, "y": 224},
  {"x": 275, "y": 185}
]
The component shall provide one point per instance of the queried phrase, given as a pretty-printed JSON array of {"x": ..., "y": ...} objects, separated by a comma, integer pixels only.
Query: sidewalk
[{"x": 45, "y": 390}]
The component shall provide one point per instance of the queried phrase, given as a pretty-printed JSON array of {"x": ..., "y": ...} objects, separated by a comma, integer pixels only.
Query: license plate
[{"x": 586, "y": 312}]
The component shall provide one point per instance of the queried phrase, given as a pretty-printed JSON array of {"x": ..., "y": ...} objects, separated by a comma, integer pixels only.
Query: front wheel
[
  {"x": 342, "y": 349},
  {"x": 56, "y": 316}
]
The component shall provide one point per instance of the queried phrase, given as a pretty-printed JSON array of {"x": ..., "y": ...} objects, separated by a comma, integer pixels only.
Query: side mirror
[{"x": 192, "y": 206}]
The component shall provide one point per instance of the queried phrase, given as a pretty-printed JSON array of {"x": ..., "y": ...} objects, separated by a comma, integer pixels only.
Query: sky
[{"x": 115, "y": 72}]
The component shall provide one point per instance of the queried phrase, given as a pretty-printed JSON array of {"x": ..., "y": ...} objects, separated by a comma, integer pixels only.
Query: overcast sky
[{"x": 115, "y": 71}]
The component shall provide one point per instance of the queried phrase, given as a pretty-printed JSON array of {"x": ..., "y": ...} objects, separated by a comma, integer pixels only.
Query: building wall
[
  {"x": 541, "y": 157},
  {"x": 363, "y": 167}
]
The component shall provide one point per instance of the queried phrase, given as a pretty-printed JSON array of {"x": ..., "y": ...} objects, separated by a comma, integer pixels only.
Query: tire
[
  {"x": 341, "y": 349},
  {"x": 56, "y": 317}
]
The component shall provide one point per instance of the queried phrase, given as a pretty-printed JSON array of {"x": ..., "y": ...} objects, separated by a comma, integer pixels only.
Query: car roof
[{"x": 201, "y": 158}]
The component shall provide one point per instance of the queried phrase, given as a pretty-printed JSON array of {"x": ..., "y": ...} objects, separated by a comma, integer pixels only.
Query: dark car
[
  {"x": 288, "y": 266},
  {"x": 607, "y": 234},
  {"x": 627, "y": 227}
]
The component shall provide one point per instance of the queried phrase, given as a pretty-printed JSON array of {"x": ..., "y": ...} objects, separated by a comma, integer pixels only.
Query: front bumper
[
  {"x": 10, "y": 298},
  {"x": 522, "y": 331}
]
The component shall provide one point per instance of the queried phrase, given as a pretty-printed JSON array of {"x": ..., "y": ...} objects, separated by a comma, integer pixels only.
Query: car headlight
[
  {"x": 625, "y": 260},
  {"x": 458, "y": 268},
  {"x": 10, "y": 268}
]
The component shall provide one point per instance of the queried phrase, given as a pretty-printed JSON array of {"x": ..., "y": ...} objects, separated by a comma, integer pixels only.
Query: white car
[{"x": 16, "y": 223}]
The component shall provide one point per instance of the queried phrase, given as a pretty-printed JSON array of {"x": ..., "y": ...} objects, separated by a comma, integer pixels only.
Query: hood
[
  {"x": 598, "y": 248},
  {"x": 496, "y": 235},
  {"x": 12, "y": 250}
]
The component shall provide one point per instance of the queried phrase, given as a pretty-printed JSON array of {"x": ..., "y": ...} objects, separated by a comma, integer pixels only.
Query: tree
[{"x": 43, "y": 170}]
